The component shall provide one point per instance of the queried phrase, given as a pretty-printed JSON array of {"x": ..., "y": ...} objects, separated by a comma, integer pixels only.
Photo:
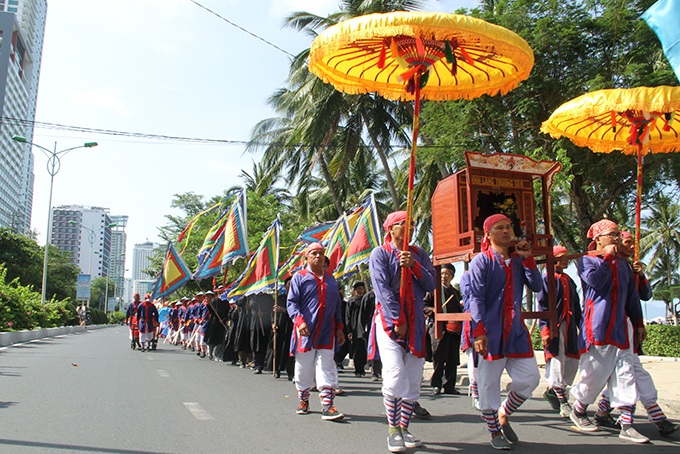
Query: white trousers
[
  {"x": 402, "y": 372},
  {"x": 472, "y": 370},
  {"x": 644, "y": 383},
  {"x": 606, "y": 365},
  {"x": 145, "y": 337},
  {"x": 315, "y": 367},
  {"x": 560, "y": 370},
  {"x": 523, "y": 372}
]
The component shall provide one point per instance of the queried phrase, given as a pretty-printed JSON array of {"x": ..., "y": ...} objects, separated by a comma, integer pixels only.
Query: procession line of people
[{"x": 391, "y": 329}]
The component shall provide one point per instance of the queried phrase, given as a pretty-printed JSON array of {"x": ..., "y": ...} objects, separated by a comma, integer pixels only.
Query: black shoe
[
  {"x": 606, "y": 421},
  {"x": 277, "y": 375},
  {"x": 666, "y": 427},
  {"x": 453, "y": 391},
  {"x": 552, "y": 399},
  {"x": 420, "y": 412},
  {"x": 258, "y": 372}
]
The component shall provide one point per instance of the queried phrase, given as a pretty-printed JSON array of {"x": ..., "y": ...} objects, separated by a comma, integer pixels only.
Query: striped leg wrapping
[
  {"x": 512, "y": 403},
  {"x": 491, "y": 419},
  {"x": 392, "y": 410},
  {"x": 655, "y": 413},
  {"x": 604, "y": 405},
  {"x": 561, "y": 394},
  {"x": 406, "y": 412},
  {"x": 326, "y": 395},
  {"x": 626, "y": 417},
  {"x": 303, "y": 395},
  {"x": 474, "y": 391},
  {"x": 579, "y": 407}
]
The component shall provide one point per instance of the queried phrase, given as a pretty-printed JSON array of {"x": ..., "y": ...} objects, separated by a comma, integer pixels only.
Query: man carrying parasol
[
  {"x": 398, "y": 330},
  {"x": 610, "y": 295}
]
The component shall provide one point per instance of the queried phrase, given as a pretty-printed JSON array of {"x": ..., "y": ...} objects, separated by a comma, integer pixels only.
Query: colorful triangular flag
[
  {"x": 174, "y": 274},
  {"x": 364, "y": 239},
  {"x": 663, "y": 17},
  {"x": 230, "y": 245},
  {"x": 315, "y": 233},
  {"x": 261, "y": 271},
  {"x": 335, "y": 241},
  {"x": 295, "y": 262}
]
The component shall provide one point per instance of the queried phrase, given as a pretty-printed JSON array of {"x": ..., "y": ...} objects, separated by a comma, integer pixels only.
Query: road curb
[{"x": 16, "y": 337}]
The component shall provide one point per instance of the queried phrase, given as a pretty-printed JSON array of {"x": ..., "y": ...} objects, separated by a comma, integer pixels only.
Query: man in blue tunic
[
  {"x": 398, "y": 328},
  {"x": 314, "y": 306},
  {"x": 497, "y": 280}
]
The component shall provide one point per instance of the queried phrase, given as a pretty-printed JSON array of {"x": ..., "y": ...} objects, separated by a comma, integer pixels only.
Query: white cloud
[{"x": 102, "y": 98}]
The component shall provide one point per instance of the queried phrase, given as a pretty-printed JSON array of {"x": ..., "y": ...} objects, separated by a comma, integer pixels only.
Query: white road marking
[
  {"x": 151, "y": 358},
  {"x": 163, "y": 373},
  {"x": 198, "y": 412}
]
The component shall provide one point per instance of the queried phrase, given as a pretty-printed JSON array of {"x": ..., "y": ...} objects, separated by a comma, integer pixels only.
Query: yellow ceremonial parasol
[
  {"x": 635, "y": 121},
  {"x": 409, "y": 56}
]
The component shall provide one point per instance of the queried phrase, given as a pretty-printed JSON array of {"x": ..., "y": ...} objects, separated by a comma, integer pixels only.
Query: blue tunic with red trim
[
  {"x": 386, "y": 278},
  {"x": 181, "y": 316},
  {"x": 466, "y": 338},
  {"x": 147, "y": 317},
  {"x": 203, "y": 316},
  {"x": 568, "y": 314},
  {"x": 496, "y": 291},
  {"x": 316, "y": 302},
  {"x": 610, "y": 294}
]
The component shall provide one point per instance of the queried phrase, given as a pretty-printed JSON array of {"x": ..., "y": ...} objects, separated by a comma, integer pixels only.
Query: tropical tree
[{"x": 579, "y": 46}]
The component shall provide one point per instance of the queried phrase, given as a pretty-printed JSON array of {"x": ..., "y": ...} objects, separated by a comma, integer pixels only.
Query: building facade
[
  {"x": 117, "y": 256},
  {"x": 85, "y": 233},
  {"x": 140, "y": 260},
  {"x": 22, "y": 29}
]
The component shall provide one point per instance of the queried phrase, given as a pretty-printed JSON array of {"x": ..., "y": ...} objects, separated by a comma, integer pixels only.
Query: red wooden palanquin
[{"x": 496, "y": 183}]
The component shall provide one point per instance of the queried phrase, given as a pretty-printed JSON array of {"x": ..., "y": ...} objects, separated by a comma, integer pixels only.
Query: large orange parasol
[
  {"x": 409, "y": 56},
  {"x": 635, "y": 121}
]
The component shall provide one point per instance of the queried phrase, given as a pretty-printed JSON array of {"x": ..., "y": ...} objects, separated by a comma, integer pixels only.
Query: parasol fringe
[{"x": 608, "y": 147}]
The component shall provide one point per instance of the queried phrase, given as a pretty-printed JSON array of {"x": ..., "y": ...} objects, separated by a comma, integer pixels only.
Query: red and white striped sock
[
  {"x": 303, "y": 395},
  {"x": 491, "y": 419},
  {"x": 655, "y": 413},
  {"x": 392, "y": 410},
  {"x": 406, "y": 413},
  {"x": 512, "y": 403}
]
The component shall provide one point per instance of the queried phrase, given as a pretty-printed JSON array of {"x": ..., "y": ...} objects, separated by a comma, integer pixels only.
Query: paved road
[{"x": 169, "y": 401}]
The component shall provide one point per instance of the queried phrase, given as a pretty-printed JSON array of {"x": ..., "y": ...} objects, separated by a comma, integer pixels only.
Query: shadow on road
[{"x": 73, "y": 448}]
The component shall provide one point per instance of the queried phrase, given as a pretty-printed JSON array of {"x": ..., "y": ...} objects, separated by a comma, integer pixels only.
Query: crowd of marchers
[{"x": 309, "y": 330}]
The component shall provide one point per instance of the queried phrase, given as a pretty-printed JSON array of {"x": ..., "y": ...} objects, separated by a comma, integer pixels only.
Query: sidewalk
[{"x": 665, "y": 372}]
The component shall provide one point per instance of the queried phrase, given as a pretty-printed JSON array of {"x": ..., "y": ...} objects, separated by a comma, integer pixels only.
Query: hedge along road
[{"x": 90, "y": 393}]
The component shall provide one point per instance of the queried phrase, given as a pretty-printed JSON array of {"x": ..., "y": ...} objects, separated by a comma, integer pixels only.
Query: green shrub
[
  {"x": 116, "y": 317},
  {"x": 98, "y": 317},
  {"x": 21, "y": 309},
  {"x": 662, "y": 340}
]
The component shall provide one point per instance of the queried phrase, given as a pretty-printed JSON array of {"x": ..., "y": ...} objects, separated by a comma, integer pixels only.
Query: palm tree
[
  {"x": 312, "y": 113},
  {"x": 662, "y": 240}
]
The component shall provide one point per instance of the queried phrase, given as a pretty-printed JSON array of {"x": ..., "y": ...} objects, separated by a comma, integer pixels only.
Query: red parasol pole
[
  {"x": 412, "y": 168},
  {"x": 638, "y": 207}
]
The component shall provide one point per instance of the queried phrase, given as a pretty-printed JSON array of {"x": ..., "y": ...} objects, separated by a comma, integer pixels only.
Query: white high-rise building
[
  {"x": 22, "y": 29},
  {"x": 117, "y": 256},
  {"x": 140, "y": 260},
  {"x": 84, "y": 232}
]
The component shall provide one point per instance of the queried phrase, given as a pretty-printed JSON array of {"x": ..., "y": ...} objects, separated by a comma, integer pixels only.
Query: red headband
[
  {"x": 625, "y": 235},
  {"x": 314, "y": 247},
  {"x": 488, "y": 223},
  {"x": 393, "y": 218},
  {"x": 558, "y": 250},
  {"x": 598, "y": 229}
]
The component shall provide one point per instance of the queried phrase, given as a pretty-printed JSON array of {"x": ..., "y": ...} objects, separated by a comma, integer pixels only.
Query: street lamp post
[
  {"x": 106, "y": 292},
  {"x": 91, "y": 236},
  {"x": 53, "y": 166}
]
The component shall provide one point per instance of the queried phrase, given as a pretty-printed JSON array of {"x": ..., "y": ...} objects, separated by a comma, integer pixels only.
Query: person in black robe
[
  {"x": 445, "y": 351},
  {"x": 365, "y": 315},
  {"x": 230, "y": 346},
  {"x": 242, "y": 340},
  {"x": 357, "y": 329},
  {"x": 282, "y": 330},
  {"x": 216, "y": 331},
  {"x": 261, "y": 309}
]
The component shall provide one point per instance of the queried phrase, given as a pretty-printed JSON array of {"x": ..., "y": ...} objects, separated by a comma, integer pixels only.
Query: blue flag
[{"x": 664, "y": 18}]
